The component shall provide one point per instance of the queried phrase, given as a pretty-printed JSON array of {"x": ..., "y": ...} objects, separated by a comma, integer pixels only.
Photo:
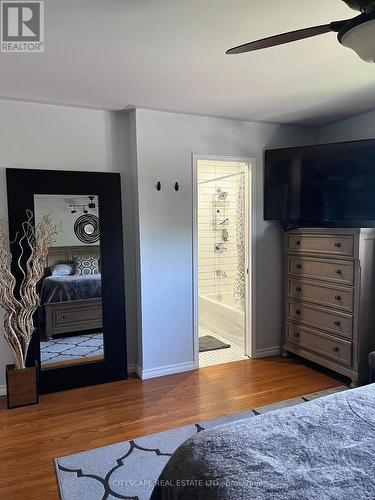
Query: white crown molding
[{"x": 59, "y": 103}]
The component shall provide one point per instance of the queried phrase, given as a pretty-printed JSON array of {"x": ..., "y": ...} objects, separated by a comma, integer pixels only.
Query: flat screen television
[{"x": 327, "y": 185}]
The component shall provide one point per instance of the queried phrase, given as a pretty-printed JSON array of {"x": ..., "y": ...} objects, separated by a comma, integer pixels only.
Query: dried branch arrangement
[{"x": 20, "y": 304}]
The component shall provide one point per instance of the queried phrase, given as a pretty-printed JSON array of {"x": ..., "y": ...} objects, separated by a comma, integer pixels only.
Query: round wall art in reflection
[{"x": 87, "y": 228}]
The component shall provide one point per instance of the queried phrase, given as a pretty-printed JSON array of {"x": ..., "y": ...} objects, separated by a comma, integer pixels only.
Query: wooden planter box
[{"x": 22, "y": 386}]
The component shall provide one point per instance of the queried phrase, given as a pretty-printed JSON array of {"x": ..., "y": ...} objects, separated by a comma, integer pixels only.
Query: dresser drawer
[
  {"x": 337, "y": 271},
  {"x": 77, "y": 315},
  {"x": 72, "y": 317},
  {"x": 321, "y": 293},
  {"x": 324, "y": 319},
  {"x": 321, "y": 244},
  {"x": 334, "y": 348}
]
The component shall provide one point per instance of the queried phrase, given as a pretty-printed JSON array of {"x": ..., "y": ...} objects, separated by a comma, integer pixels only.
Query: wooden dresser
[{"x": 330, "y": 298}]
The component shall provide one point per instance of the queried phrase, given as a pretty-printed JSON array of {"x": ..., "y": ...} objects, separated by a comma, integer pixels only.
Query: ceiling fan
[{"x": 357, "y": 33}]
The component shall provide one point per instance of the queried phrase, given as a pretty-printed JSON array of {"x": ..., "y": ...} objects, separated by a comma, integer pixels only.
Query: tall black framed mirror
[{"x": 80, "y": 328}]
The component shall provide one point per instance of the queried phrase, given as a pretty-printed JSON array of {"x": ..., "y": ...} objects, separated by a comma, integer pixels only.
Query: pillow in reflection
[
  {"x": 62, "y": 270},
  {"x": 86, "y": 265}
]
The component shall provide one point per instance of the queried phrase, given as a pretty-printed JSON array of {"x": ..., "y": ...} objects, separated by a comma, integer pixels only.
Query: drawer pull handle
[
  {"x": 297, "y": 242},
  {"x": 298, "y": 311},
  {"x": 296, "y": 334},
  {"x": 337, "y": 297},
  {"x": 338, "y": 271},
  {"x": 63, "y": 316},
  {"x": 337, "y": 244},
  {"x": 298, "y": 289},
  {"x": 298, "y": 266},
  {"x": 335, "y": 348},
  {"x": 337, "y": 323}
]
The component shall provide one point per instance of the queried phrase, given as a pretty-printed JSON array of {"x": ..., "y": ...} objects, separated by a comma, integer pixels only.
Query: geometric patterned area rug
[
  {"x": 129, "y": 470},
  {"x": 67, "y": 348}
]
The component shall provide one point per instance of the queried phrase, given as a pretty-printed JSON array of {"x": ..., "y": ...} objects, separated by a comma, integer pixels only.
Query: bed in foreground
[{"x": 323, "y": 449}]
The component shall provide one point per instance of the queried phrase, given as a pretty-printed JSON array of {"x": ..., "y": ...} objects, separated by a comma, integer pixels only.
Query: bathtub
[{"x": 219, "y": 313}]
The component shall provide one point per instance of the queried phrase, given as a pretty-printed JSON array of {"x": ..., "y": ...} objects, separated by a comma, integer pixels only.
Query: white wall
[
  {"x": 357, "y": 128},
  {"x": 164, "y": 145},
  {"x": 124, "y": 152},
  {"x": 147, "y": 146},
  {"x": 54, "y": 137},
  {"x": 51, "y": 137}
]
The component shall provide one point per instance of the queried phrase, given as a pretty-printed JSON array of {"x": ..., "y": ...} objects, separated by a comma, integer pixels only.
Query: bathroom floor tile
[{"x": 233, "y": 353}]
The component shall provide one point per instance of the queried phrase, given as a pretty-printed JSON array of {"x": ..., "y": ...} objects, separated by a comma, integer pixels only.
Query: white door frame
[{"x": 250, "y": 340}]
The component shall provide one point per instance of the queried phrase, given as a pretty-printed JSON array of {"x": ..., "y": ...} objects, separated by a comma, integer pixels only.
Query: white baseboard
[
  {"x": 268, "y": 351},
  {"x": 138, "y": 371},
  {"x": 164, "y": 370},
  {"x": 3, "y": 390},
  {"x": 132, "y": 368}
]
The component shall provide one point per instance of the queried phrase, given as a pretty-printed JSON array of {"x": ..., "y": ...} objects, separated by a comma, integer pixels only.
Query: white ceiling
[{"x": 170, "y": 54}]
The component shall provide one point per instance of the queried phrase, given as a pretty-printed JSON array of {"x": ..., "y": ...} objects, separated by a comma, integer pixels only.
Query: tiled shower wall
[{"x": 210, "y": 262}]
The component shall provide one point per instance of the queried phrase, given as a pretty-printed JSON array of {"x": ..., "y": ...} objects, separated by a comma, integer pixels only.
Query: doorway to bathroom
[{"x": 223, "y": 256}]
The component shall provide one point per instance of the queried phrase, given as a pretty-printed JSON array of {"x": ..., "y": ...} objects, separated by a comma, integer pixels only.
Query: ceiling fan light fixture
[
  {"x": 359, "y": 36},
  {"x": 357, "y": 33},
  {"x": 91, "y": 204}
]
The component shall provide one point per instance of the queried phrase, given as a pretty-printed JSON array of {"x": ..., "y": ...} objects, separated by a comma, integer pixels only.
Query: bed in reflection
[{"x": 71, "y": 302}]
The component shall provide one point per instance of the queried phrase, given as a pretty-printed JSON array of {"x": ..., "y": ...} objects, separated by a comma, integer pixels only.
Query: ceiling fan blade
[{"x": 291, "y": 36}]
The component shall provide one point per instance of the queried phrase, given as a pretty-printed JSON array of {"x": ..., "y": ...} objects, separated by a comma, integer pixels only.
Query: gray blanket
[
  {"x": 66, "y": 288},
  {"x": 324, "y": 449}
]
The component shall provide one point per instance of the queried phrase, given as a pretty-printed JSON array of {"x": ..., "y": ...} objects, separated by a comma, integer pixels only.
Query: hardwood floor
[{"x": 80, "y": 419}]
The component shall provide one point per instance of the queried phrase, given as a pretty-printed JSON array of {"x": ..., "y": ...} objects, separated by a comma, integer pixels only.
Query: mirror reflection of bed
[{"x": 70, "y": 314}]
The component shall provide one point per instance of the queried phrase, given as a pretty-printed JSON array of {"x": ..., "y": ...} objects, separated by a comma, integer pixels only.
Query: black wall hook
[
  {"x": 158, "y": 186},
  {"x": 176, "y": 186}
]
